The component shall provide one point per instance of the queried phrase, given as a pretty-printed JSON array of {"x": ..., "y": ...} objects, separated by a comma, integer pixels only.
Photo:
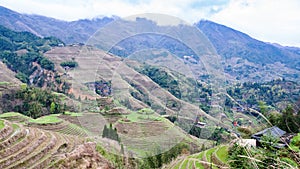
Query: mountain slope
[
  {"x": 245, "y": 58},
  {"x": 249, "y": 59},
  {"x": 6, "y": 75},
  {"x": 30, "y": 147},
  {"x": 230, "y": 43},
  {"x": 70, "y": 32}
]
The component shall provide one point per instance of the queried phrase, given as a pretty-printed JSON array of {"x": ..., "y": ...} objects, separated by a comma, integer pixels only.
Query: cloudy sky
[{"x": 276, "y": 21}]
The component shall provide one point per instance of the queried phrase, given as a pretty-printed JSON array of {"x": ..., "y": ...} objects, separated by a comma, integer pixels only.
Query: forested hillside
[
  {"x": 276, "y": 93},
  {"x": 22, "y": 52}
]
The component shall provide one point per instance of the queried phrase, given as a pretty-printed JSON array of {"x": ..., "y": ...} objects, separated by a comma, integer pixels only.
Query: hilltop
[
  {"x": 244, "y": 58},
  {"x": 70, "y": 32}
]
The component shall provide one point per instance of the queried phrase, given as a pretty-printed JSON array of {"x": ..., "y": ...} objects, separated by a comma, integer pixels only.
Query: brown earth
[{"x": 30, "y": 147}]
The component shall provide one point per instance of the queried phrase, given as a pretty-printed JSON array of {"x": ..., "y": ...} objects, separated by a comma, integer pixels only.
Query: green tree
[
  {"x": 47, "y": 64},
  {"x": 263, "y": 108},
  {"x": 289, "y": 121},
  {"x": 52, "y": 108},
  {"x": 105, "y": 131},
  {"x": 22, "y": 77},
  {"x": 238, "y": 157}
]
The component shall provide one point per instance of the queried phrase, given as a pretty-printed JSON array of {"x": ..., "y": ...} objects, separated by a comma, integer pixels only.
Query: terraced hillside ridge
[
  {"x": 212, "y": 158},
  {"x": 30, "y": 147},
  {"x": 133, "y": 129},
  {"x": 95, "y": 65}
]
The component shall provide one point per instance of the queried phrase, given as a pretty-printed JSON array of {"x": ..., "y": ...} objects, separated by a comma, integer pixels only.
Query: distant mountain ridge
[
  {"x": 70, "y": 32},
  {"x": 230, "y": 43},
  {"x": 244, "y": 58},
  {"x": 249, "y": 59}
]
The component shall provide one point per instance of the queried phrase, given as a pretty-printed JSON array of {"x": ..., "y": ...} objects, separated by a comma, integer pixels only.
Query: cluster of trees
[
  {"x": 182, "y": 87},
  {"x": 272, "y": 92},
  {"x": 163, "y": 79},
  {"x": 32, "y": 101},
  {"x": 159, "y": 158},
  {"x": 155, "y": 160},
  {"x": 12, "y": 40},
  {"x": 70, "y": 64},
  {"x": 288, "y": 120},
  {"x": 219, "y": 134},
  {"x": 111, "y": 133},
  {"x": 23, "y": 64},
  {"x": 34, "y": 46},
  {"x": 103, "y": 88}
]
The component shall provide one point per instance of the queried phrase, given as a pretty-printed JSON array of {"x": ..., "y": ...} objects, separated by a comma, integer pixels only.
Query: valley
[{"x": 73, "y": 96}]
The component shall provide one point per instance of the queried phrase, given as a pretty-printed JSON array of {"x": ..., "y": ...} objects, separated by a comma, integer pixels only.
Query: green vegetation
[
  {"x": 180, "y": 86},
  {"x": 295, "y": 143},
  {"x": 267, "y": 154},
  {"x": 217, "y": 134},
  {"x": 184, "y": 164},
  {"x": 23, "y": 64},
  {"x": 145, "y": 114},
  {"x": 272, "y": 93},
  {"x": 70, "y": 64},
  {"x": 4, "y": 83},
  {"x": 200, "y": 155},
  {"x": 46, "y": 119},
  {"x": 73, "y": 114},
  {"x": 222, "y": 153},
  {"x": 261, "y": 157},
  {"x": 15, "y": 117},
  {"x": 73, "y": 129},
  {"x": 196, "y": 160},
  {"x": 15, "y": 126},
  {"x": 199, "y": 166},
  {"x": 32, "y": 102},
  {"x": 209, "y": 154},
  {"x": 162, "y": 78},
  {"x": 155, "y": 160},
  {"x": 22, "y": 52},
  {"x": 25, "y": 40},
  {"x": 11, "y": 114},
  {"x": 290, "y": 162},
  {"x": 288, "y": 120},
  {"x": 111, "y": 133},
  {"x": 1, "y": 124}
]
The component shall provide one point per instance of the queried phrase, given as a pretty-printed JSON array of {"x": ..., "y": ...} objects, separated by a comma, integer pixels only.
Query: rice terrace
[{"x": 149, "y": 85}]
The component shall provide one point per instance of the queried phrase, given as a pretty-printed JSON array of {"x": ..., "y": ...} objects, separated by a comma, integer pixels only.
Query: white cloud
[
  {"x": 76, "y": 9},
  {"x": 274, "y": 21}
]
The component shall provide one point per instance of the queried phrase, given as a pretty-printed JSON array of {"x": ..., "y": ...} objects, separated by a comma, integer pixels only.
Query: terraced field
[
  {"x": 48, "y": 142},
  {"x": 50, "y": 123},
  {"x": 212, "y": 158},
  {"x": 30, "y": 147}
]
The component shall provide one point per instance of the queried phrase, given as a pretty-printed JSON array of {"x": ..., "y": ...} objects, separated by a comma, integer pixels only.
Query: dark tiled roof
[{"x": 274, "y": 131}]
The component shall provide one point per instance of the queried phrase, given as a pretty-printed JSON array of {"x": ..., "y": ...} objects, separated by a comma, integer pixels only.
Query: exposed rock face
[{"x": 85, "y": 156}]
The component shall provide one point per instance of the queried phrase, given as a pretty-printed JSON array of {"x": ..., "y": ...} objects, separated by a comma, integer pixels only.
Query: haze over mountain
[
  {"x": 244, "y": 58},
  {"x": 70, "y": 32}
]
